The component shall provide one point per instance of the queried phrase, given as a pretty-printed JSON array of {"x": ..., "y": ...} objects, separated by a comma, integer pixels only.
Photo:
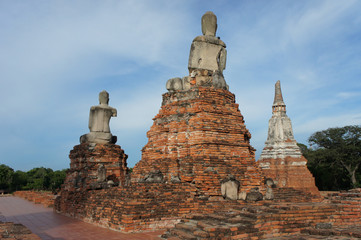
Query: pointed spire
[{"x": 278, "y": 104}]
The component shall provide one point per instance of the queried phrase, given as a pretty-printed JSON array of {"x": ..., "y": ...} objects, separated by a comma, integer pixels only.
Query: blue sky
[{"x": 56, "y": 56}]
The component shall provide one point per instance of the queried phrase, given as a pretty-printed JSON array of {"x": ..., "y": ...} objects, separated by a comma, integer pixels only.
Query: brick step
[
  {"x": 311, "y": 237},
  {"x": 220, "y": 225},
  {"x": 348, "y": 233},
  {"x": 189, "y": 226},
  {"x": 182, "y": 234},
  {"x": 291, "y": 194}
]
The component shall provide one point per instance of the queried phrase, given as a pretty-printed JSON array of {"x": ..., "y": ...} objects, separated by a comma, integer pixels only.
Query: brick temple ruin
[{"x": 198, "y": 177}]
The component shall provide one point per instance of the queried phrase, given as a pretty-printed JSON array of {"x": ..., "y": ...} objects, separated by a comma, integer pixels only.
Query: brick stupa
[
  {"x": 199, "y": 135},
  {"x": 281, "y": 159}
]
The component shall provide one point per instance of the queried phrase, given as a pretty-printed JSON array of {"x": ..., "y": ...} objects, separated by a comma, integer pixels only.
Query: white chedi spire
[{"x": 280, "y": 141}]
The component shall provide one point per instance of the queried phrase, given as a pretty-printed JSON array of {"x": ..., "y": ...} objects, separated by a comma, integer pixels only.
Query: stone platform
[{"x": 338, "y": 217}]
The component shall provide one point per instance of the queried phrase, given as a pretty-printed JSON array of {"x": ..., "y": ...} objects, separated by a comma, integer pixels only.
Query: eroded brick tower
[{"x": 199, "y": 135}]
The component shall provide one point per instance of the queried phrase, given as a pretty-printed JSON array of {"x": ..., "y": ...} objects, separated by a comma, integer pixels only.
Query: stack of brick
[
  {"x": 293, "y": 195},
  {"x": 199, "y": 137},
  {"x": 85, "y": 161},
  {"x": 349, "y": 204}
]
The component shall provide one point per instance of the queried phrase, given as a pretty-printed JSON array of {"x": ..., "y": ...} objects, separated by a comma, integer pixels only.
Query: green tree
[
  {"x": 20, "y": 179},
  {"x": 39, "y": 178},
  {"x": 338, "y": 151},
  {"x": 328, "y": 177},
  {"x": 57, "y": 179},
  {"x": 6, "y": 176}
]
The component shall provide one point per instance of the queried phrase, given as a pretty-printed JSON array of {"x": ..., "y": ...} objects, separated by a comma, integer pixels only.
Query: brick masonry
[
  {"x": 199, "y": 137},
  {"x": 289, "y": 174},
  {"x": 338, "y": 216},
  {"x": 85, "y": 161}
]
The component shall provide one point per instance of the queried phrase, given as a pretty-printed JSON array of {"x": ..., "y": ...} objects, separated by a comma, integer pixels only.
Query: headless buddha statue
[{"x": 99, "y": 118}]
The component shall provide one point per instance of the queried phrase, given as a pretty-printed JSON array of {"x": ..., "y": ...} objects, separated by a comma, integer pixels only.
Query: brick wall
[
  {"x": 290, "y": 172},
  {"x": 139, "y": 207},
  {"x": 39, "y": 197}
]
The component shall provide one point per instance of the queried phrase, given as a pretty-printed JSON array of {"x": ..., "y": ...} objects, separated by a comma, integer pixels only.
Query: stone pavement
[{"x": 50, "y": 225}]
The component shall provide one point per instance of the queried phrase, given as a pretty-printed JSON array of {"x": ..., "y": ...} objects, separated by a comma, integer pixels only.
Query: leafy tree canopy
[
  {"x": 335, "y": 157},
  {"x": 6, "y": 176},
  {"x": 35, "y": 179}
]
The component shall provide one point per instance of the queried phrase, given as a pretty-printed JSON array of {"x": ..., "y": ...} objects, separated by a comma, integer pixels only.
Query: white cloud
[
  {"x": 347, "y": 95},
  {"x": 323, "y": 122},
  {"x": 137, "y": 111},
  {"x": 319, "y": 21}
]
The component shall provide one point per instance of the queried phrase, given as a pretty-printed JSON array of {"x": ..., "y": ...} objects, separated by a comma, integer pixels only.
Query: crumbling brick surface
[
  {"x": 290, "y": 172},
  {"x": 138, "y": 207},
  {"x": 340, "y": 212},
  {"x": 349, "y": 204},
  {"x": 199, "y": 137},
  {"x": 335, "y": 218},
  {"x": 86, "y": 159}
]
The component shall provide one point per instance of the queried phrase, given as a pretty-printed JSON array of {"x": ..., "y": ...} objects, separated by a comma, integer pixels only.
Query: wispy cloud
[
  {"x": 346, "y": 95},
  {"x": 323, "y": 122}
]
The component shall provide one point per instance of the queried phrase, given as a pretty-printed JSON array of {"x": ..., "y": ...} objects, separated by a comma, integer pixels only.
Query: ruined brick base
[
  {"x": 139, "y": 207},
  {"x": 85, "y": 162},
  {"x": 210, "y": 219},
  {"x": 290, "y": 172},
  {"x": 338, "y": 217}
]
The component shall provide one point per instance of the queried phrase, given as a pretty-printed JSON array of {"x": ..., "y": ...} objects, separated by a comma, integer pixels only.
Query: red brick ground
[{"x": 49, "y": 225}]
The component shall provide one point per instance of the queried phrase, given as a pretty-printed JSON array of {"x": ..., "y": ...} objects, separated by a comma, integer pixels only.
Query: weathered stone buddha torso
[
  {"x": 207, "y": 60},
  {"x": 208, "y": 52},
  {"x": 99, "y": 118}
]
